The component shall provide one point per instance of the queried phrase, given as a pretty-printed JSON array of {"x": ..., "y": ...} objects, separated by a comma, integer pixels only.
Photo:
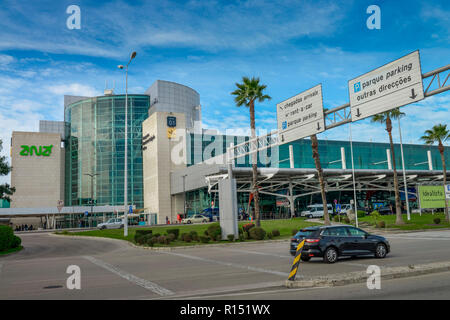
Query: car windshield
[{"x": 110, "y": 221}]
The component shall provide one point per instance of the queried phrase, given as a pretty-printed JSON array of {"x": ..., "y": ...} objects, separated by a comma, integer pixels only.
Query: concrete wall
[
  {"x": 38, "y": 179},
  {"x": 161, "y": 156}
]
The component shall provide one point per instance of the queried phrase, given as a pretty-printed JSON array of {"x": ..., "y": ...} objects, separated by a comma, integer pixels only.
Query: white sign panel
[
  {"x": 301, "y": 116},
  {"x": 393, "y": 85}
]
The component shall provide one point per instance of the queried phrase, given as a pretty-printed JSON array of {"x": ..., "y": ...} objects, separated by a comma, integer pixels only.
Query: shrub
[
  {"x": 381, "y": 224},
  {"x": 6, "y": 237},
  {"x": 361, "y": 214},
  {"x": 241, "y": 237},
  {"x": 214, "y": 230},
  {"x": 336, "y": 219},
  {"x": 294, "y": 232},
  {"x": 143, "y": 239},
  {"x": 157, "y": 234},
  {"x": 248, "y": 226},
  {"x": 241, "y": 231},
  {"x": 171, "y": 236},
  {"x": 142, "y": 232},
  {"x": 194, "y": 235},
  {"x": 175, "y": 232},
  {"x": 150, "y": 240},
  {"x": 187, "y": 238},
  {"x": 346, "y": 220},
  {"x": 437, "y": 220},
  {"x": 184, "y": 234},
  {"x": 204, "y": 239},
  {"x": 230, "y": 237},
  {"x": 257, "y": 233},
  {"x": 276, "y": 232},
  {"x": 163, "y": 240},
  {"x": 16, "y": 242},
  {"x": 270, "y": 235},
  {"x": 246, "y": 235}
]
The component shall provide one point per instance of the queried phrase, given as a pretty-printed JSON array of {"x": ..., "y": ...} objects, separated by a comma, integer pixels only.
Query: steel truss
[{"x": 338, "y": 116}]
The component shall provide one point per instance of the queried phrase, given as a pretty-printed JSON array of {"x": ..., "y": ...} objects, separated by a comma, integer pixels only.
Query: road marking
[
  {"x": 259, "y": 253},
  {"x": 228, "y": 264},
  {"x": 128, "y": 276},
  {"x": 416, "y": 238}
]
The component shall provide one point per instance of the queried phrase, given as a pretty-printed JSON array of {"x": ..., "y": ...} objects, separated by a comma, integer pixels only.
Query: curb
[
  {"x": 361, "y": 276},
  {"x": 212, "y": 245}
]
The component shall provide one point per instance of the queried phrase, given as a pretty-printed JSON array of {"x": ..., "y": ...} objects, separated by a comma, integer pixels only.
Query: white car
[
  {"x": 114, "y": 223},
  {"x": 316, "y": 211},
  {"x": 197, "y": 218}
]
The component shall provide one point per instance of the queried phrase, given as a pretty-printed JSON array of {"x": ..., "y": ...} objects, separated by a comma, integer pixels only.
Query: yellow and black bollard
[{"x": 298, "y": 254}]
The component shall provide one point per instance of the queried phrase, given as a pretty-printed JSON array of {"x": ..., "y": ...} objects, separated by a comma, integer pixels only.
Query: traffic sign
[
  {"x": 393, "y": 85},
  {"x": 130, "y": 209},
  {"x": 301, "y": 116},
  {"x": 86, "y": 213},
  {"x": 447, "y": 191}
]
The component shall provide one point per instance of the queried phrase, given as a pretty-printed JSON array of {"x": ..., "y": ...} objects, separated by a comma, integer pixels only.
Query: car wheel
[
  {"x": 104, "y": 227},
  {"x": 121, "y": 226},
  {"x": 309, "y": 216},
  {"x": 331, "y": 255},
  {"x": 305, "y": 258},
  {"x": 204, "y": 221},
  {"x": 380, "y": 251},
  {"x": 189, "y": 222}
]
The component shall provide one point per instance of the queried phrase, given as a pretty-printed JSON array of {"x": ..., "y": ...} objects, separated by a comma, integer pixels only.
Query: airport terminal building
[{"x": 174, "y": 165}]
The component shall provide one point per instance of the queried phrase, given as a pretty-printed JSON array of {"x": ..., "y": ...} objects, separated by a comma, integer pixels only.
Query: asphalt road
[{"x": 115, "y": 270}]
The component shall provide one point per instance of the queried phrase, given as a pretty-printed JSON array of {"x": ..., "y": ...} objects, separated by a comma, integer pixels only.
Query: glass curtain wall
[{"x": 96, "y": 145}]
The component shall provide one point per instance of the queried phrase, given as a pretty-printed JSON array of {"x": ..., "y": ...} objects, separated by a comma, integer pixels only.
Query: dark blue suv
[{"x": 331, "y": 242}]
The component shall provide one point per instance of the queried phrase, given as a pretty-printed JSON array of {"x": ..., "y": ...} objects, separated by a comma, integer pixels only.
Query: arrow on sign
[
  {"x": 318, "y": 126},
  {"x": 357, "y": 112},
  {"x": 413, "y": 95}
]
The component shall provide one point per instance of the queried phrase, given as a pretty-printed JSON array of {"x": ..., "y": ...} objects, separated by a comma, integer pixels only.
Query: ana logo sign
[{"x": 44, "y": 151}]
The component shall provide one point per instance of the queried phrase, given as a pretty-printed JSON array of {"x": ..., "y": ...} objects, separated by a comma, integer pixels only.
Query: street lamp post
[
  {"x": 125, "y": 227},
  {"x": 92, "y": 175}
]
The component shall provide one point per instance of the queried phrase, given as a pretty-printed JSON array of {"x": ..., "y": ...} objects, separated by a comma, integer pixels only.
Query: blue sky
[{"x": 210, "y": 45}]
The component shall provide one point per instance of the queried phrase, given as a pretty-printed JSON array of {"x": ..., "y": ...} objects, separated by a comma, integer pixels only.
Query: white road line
[
  {"x": 416, "y": 238},
  {"x": 259, "y": 253},
  {"x": 229, "y": 264},
  {"x": 128, "y": 276}
]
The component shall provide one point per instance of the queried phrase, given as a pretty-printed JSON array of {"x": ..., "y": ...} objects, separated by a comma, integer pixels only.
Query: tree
[
  {"x": 247, "y": 92},
  {"x": 386, "y": 117},
  {"x": 315, "y": 152},
  {"x": 5, "y": 189},
  {"x": 439, "y": 133}
]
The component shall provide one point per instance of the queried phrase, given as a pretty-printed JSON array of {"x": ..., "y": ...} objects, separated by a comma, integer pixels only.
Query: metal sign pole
[
  {"x": 404, "y": 173},
  {"x": 353, "y": 174}
]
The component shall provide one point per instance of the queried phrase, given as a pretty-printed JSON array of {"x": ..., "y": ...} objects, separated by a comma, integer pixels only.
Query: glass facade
[
  {"x": 366, "y": 156},
  {"x": 95, "y": 145}
]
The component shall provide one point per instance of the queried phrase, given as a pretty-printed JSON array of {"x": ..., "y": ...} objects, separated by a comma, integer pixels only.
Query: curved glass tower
[{"x": 95, "y": 145}]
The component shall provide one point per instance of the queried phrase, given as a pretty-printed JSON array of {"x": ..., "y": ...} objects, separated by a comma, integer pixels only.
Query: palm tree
[
  {"x": 439, "y": 133},
  {"x": 386, "y": 117},
  {"x": 246, "y": 94},
  {"x": 315, "y": 152}
]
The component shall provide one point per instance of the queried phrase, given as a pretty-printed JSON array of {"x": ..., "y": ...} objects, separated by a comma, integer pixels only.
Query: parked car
[
  {"x": 316, "y": 211},
  {"x": 114, "y": 223},
  {"x": 345, "y": 208},
  {"x": 196, "y": 218},
  {"x": 211, "y": 213},
  {"x": 331, "y": 242}
]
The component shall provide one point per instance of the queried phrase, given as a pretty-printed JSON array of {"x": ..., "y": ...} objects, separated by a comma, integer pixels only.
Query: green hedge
[{"x": 7, "y": 239}]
